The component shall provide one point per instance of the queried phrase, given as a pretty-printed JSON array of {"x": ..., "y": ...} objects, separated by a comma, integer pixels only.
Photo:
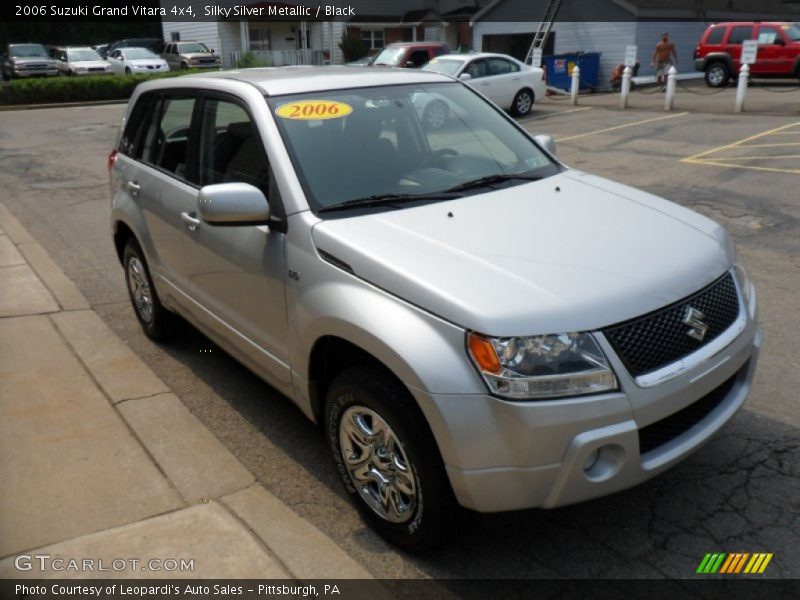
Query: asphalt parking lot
[{"x": 739, "y": 493}]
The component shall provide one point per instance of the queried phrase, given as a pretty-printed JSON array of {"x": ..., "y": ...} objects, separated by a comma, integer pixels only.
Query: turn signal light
[{"x": 483, "y": 353}]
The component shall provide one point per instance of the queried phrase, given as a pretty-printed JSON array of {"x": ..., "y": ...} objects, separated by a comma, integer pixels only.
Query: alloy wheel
[{"x": 140, "y": 289}]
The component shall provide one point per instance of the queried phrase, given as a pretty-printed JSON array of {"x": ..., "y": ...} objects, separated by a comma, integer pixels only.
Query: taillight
[{"x": 112, "y": 158}]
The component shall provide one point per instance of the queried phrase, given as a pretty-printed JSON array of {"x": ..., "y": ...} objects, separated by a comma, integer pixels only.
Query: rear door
[
  {"x": 163, "y": 182},
  {"x": 478, "y": 71},
  {"x": 504, "y": 77},
  {"x": 733, "y": 45},
  {"x": 237, "y": 271}
]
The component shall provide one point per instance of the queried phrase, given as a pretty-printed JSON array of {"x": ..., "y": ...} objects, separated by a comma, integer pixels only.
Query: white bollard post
[
  {"x": 576, "y": 84},
  {"x": 672, "y": 76},
  {"x": 741, "y": 87},
  {"x": 625, "y": 90}
]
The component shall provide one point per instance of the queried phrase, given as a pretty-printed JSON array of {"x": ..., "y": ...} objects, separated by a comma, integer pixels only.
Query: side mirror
[
  {"x": 233, "y": 204},
  {"x": 779, "y": 42},
  {"x": 546, "y": 142},
  {"x": 410, "y": 64},
  {"x": 465, "y": 77}
]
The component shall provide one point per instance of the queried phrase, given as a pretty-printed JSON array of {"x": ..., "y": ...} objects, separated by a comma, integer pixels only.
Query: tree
[{"x": 352, "y": 47}]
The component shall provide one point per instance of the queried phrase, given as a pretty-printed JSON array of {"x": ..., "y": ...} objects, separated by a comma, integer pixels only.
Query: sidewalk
[
  {"x": 99, "y": 460},
  {"x": 779, "y": 98}
]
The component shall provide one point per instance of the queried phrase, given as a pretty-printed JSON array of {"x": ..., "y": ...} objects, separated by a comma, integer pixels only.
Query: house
[
  {"x": 279, "y": 41},
  {"x": 608, "y": 26}
]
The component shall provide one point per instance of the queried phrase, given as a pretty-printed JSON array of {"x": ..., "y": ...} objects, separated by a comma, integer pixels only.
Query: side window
[
  {"x": 62, "y": 57},
  {"x": 740, "y": 33},
  {"x": 768, "y": 35},
  {"x": 418, "y": 58},
  {"x": 135, "y": 126},
  {"x": 500, "y": 66},
  {"x": 715, "y": 36},
  {"x": 476, "y": 69},
  {"x": 230, "y": 147},
  {"x": 166, "y": 143}
]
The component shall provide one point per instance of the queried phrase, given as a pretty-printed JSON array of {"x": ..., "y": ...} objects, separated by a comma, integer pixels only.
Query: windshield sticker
[{"x": 308, "y": 110}]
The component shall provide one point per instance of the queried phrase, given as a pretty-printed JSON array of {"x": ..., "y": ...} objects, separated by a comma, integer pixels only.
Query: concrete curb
[
  {"x": 198, "y": 466},
  {"x": 4, "y": 107}
]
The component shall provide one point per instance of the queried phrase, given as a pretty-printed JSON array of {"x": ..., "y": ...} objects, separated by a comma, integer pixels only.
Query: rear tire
[
  {"x": 387, "y": 459},
  {"x": 523, "y": 103},
  {"x": 155, "y": 320},
  {"x": 717, "y": 75}
]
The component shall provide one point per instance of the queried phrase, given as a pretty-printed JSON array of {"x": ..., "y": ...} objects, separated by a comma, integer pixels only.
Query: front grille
[
  {"x": 659, "y": 433},
  {"x": 206, "y": 61},
  {"x": 96, "y": 69},
  {"x": 35, "y": 66},
  {"x": 661, "y": 337}
]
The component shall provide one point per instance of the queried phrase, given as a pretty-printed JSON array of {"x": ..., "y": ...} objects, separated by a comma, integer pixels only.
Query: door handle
[
  {"x": 133, "y": 188},
  {"x": 192, "y": 222}
]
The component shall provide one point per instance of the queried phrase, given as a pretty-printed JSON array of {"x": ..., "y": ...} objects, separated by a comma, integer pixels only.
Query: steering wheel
[{"x": 437, "y": 155}]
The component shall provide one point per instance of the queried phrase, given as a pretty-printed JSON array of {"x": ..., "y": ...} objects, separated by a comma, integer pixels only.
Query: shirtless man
[{"x": 665, "y": 51}]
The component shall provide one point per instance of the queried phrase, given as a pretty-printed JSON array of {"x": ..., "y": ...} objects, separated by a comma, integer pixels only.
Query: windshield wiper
[
  {"x": 491, "y": 179},
  {"x": 389, "y": 199}
]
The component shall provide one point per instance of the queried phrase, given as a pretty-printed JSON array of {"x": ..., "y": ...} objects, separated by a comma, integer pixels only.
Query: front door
[
  {"x": 237, "y": 271},
  {"x": 774, "y": 56}
]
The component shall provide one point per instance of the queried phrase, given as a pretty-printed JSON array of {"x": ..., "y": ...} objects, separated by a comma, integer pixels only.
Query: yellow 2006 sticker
[{"x": 306, "y": 110}]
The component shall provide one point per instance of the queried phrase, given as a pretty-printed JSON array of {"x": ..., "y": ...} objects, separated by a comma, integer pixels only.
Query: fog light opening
[
  {"x": 591, "y": 459},
  {"x": 604, "y": 463}
]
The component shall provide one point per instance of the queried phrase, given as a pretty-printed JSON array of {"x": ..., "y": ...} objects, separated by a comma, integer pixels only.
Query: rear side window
[
  {"x": 135, "y": 126},
  {"x": 740, "y": 33},
  {"x": 230, "y": 147},
  {"x": 501, "y": 66},
  {"x": 166, "y": 143},
  {"x": 715, "y": 36},
  {"x": 768, "y": 35},
  {"x": 418, "y": 58}
]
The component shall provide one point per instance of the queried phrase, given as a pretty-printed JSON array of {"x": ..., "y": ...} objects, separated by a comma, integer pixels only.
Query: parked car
[
  {"x": 194, "y": 55},
  {"x": 27, "y": 60},
  {"x": 364, "y": 61},
  {"x": 101, "y": 49},
  {"x": 154, "y": 44},
  {"x": 507, "y": 82},
  {"x": 80, "y": 61},
  {"x": 409, "y": 54},
  {"x": 719, "y": 51},
  {"x": 127, "y": 61},
  {"x": 461, "y": 313}
]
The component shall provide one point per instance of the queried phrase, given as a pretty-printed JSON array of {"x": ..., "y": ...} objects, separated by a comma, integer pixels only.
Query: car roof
[
  {"x": 276, "y": 81},
  {"x": 420, "y": 44},
  {"x": 470, "y": 55}
]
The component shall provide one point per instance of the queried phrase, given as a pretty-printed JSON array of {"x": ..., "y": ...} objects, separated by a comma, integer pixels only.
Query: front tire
[
  {"x": 523, "y": 103},
  {"x": 387, "y": 459},
  {"x": 128, "y": 71},
  {"x": 717, "y": 75},
  {"x": 152, "y": 316}
]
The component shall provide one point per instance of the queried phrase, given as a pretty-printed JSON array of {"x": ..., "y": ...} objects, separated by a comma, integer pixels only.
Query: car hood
[
  {"x": 32, "y": 59},
  {"x": 572, "y": 252}
]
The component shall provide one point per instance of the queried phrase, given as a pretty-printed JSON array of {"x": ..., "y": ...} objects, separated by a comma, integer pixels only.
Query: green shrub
[
  {"x": 352, "y": 46},
  {"x": 52, "y": 90},
  {"x": 249, "y": 60}
]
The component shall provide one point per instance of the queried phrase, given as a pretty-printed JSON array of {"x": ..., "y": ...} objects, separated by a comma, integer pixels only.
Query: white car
[
  {"x": 80, "y": 61},
  {"x": 127, "y": 61},
  {"x": 507, "y": 82}
]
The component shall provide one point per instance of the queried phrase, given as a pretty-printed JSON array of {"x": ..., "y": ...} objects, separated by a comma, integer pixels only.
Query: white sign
[
  {"x": 749, "y": 50},
  {"x": 537, "y": 57},
  {"x": 630, "y": 56}
]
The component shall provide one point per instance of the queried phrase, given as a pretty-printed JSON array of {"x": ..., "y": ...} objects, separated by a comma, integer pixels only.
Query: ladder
[{"x": 545, "y": 25}]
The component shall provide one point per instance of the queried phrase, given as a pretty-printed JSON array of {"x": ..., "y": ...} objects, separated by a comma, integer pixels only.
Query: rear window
[
  {"x": 715, "y": 36},
  {"x": 740, "y": 33}
]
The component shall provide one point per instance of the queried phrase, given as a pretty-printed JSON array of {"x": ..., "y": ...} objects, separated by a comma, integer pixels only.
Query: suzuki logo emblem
[{"x": 694, "y": 319}]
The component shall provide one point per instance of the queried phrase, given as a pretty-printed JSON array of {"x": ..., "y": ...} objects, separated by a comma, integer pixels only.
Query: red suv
[
  {"x": 410, "y": 54},
  {"x": 720, "y": 49}
]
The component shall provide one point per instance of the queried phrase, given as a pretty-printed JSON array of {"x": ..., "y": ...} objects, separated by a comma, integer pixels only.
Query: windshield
[
  {"x": 390, "y": 56},
  {"x": 792, "y": 30},
  {"x": 28, "y": 51},
  {"x": 192, "y": 48},
  {"x": 78, "y": 55},
  {"x": 446, "y": 66},
  {"x": 134, "y": 53},
  {"x": 366, "y": 143}
]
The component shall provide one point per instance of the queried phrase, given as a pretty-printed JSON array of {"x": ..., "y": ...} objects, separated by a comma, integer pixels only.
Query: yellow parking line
[
  {"x": 555, "y": 114},
  {"x": 580, "y": 135},
  {"x": 711, "y": 162},
  {"x": 769, "y": 145},
  {"x": 748, "y": 157},
  {"x": 739, "y": 142}
]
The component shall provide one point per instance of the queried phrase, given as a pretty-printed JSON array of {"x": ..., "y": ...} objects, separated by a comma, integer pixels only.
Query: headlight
[{"x": 542, "y": 366}]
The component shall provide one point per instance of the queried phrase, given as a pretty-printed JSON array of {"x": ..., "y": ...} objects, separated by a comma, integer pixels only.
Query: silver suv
[
  {"x": 468, "y": 320},
  {"x": 190, "y": 55}
]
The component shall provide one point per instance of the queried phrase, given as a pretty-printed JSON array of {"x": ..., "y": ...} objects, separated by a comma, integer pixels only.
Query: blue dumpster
[{"x": 559, "y": 69}]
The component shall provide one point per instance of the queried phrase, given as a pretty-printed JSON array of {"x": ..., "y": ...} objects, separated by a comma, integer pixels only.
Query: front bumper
[
  {"x": 503, "y": 455},
  {"x": 699, "y": 64},
  {"x": 35, "y": 72}
]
